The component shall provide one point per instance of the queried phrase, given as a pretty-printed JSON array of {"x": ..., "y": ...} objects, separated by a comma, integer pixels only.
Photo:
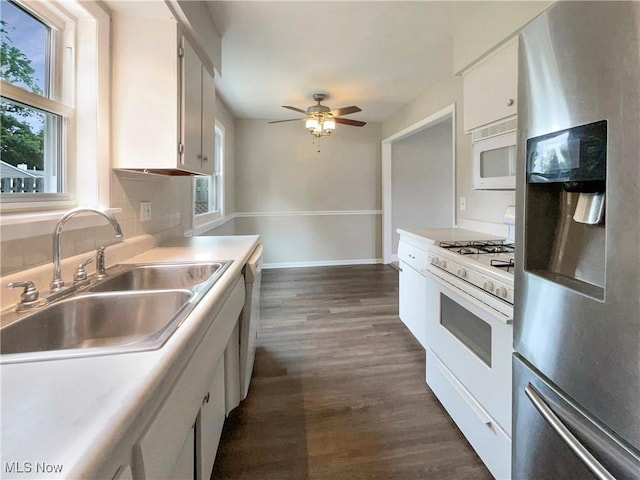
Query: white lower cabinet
[
  {"x": 232, "y": 371},
  {"x": 212, "y": 415},
  {"x": 185, "y": 466},
  {"x": 163, "y": 447},
  {"x": 484, "y": 434},
  {"x": 413, "y": 309},
  {"x": 412, "y": 290}
]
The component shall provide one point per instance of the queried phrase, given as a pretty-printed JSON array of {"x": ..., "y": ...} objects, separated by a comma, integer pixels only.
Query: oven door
[{"x": 474, "y": 341}]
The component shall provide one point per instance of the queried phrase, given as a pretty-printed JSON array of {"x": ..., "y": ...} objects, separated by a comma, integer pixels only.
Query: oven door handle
[
  {"x": 466, "y": 296},
  {"x": 565, "y": 434}
]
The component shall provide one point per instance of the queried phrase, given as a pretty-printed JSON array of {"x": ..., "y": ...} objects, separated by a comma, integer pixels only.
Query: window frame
[
  {"x": 83, "y": 96},
  {"x": 208, "y": 220},
  {"x": 56, "y": 99}
]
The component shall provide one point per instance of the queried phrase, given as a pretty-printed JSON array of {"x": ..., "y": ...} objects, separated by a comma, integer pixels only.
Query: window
[
  {"x": 55, "y": 109},
  {"x": 34, "y": 118},
  {"x": 208, "y": 190}
]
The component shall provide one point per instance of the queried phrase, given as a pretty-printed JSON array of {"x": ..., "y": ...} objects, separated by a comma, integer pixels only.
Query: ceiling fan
[{"x": 320, "y": 120}]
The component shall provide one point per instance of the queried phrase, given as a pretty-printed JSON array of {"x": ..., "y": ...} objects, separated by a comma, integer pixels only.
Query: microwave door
[{"x": 494, "y": 162}]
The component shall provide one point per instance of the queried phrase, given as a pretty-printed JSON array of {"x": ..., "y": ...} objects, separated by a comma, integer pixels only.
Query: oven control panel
[{"x": 474, "y": 276}]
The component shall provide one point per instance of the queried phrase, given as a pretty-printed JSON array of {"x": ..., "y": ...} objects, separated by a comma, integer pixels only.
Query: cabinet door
[
  {"x": 185, "y": 466},
  {"x": 191, "y": 109},
  {"x": 232, "y": 370},
  {"x": 145, "y": 96},
  {"x": 412, "y": 299},
  {"x": 491, "y": 88},
  {"x": 212, "y": 417},
  {"x": 208, "y": 121}
]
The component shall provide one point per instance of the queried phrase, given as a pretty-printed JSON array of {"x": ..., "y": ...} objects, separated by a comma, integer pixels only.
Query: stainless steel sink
[
  {"x": 94, "y": 324},
  {"x": 161, "y": 276},
  {"x": 138, "y": 307}
]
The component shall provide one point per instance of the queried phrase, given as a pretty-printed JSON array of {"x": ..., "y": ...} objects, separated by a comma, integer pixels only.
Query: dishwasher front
[{"x": 250, "y": 319}]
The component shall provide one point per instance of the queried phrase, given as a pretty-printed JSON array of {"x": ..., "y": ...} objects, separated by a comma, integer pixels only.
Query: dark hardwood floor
[{"x": 338, "y": 389}]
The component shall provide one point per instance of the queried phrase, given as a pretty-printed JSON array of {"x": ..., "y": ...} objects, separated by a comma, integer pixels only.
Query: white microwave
[{"x": 494, "y": 162}]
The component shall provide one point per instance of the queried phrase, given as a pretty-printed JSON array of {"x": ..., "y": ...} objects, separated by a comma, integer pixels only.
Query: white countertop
[
  {"x": 78, "y": 413},
  {"x": 434, "y": 235}
]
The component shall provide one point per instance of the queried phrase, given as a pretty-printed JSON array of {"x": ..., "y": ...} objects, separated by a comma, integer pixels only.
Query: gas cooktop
[{"x": 494, "y": 253}]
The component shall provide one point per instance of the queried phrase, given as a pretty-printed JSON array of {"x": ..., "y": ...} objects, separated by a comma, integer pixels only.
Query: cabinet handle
[
  {"x": 205, "y": 159},
  {"x": 206, "y": 398},
  {"x": 509, "y": 102}
]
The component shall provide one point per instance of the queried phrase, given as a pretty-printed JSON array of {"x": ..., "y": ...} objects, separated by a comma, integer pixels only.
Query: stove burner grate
[
  {"x": 508, "y": 265},
  {"x": 474, "y": 247}
]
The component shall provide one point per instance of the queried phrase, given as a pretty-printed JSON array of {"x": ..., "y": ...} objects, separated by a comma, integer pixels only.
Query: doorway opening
[{"x": 418, "y": 178}]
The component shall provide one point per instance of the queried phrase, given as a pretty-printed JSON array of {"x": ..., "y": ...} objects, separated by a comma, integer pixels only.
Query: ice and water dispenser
[{"x": 565, "y": 221}]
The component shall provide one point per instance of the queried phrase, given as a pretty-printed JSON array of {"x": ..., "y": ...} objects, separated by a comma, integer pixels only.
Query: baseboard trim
[{"x": 323, "y": 263}]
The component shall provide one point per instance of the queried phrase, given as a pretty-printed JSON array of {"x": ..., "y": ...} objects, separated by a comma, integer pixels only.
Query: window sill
[
  {"x": 204, "y": 225},
  {"x": 15, "y": 226}
]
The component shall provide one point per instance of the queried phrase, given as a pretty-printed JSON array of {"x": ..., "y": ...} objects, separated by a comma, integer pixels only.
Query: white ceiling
[{"x": 377, "y": 55}]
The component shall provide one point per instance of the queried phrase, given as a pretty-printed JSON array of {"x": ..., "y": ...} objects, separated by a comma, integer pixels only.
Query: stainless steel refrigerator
[{"x": 576, "y": 388}]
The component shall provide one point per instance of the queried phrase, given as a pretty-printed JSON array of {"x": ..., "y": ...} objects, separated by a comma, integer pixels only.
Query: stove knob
[
  {"x": 462, "y": 273},
  {"x": 501, "y": 292},
  {"x": 442, "y": 264},
  {"x": 434, "y": 261},
  {"x": 488, "y": 285}
]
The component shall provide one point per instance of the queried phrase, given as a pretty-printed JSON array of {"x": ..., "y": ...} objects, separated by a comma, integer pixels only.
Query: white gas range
[
  {"x": 469, "y": 336},
  {"x": 482, "y": 268}
]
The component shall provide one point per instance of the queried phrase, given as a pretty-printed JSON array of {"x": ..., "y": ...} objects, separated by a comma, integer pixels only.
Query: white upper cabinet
[
  {"x": 491, "y": 88},
  {"x": 160, "y": 98},
  {"x": 198, "y": 103}
]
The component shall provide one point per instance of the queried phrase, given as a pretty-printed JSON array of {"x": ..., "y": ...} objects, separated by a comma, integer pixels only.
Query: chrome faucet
[{"x": 57, "y": 283}]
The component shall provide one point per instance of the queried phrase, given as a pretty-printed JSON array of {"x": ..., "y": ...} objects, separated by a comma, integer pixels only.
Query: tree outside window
[{"x": 30, "y": 137}]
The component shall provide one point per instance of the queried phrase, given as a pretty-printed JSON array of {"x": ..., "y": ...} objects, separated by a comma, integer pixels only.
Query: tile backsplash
[{"x": 171, "y": 216}]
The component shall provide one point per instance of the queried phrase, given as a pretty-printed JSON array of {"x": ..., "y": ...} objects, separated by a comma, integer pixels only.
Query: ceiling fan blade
[
  {"x": 345, "y": 111},
  {"x": 353, "y": 123},
  {"x": 290, "y": 120},
  {"x": 294, "y": 109}
]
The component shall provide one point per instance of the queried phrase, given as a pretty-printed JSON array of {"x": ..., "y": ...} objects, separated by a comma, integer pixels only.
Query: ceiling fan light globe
[
  {"x": 311, "y": 124},
  {"x": 329, "y": 125}
]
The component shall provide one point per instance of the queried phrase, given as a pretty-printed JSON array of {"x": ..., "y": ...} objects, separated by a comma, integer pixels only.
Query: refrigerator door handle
[{"x": 565, "y": 434}]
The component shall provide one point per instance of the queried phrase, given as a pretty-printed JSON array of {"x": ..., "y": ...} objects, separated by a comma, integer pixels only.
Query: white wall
[
  {"x": 309, "y": 207},
  {"x": 421, "y": 172},
  {"x": 486, "y": 24},
  {"x": 482, "y": 205}
]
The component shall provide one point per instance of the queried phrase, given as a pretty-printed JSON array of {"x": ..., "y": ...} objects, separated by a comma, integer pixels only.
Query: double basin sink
[{"x": 137, "y": 307}]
